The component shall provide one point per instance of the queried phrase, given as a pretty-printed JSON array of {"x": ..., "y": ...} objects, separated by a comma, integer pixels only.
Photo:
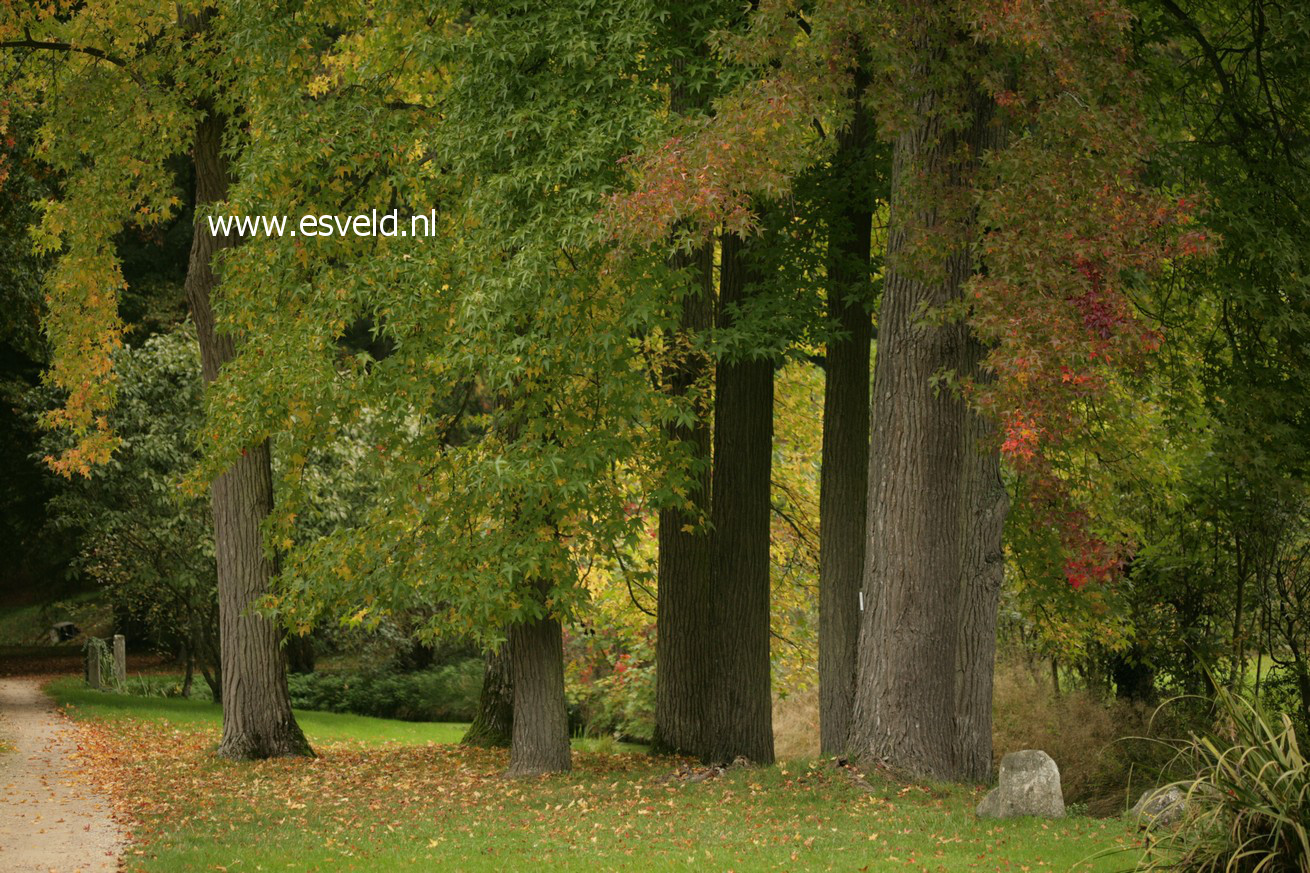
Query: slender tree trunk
[
  {"x": 1302, "y": 670},
  {"x": 904, "y": 712},
  {"x": 215, "y": 683},
  {"x": 257, "y": 719},
  {"x": 986, "y": 504},
  {"x": 540, "y": 736},
  {"x": 844, "y": 478},
  {"x": 1239, "y": 642},
  {"x": 684, "y": 677},
  {"x": 209, "y": 658},
  {"x": 188, "y": 676},
  {"x": 300, "y": 652},
  {"x": 493, "y": 723},
  {"x": 741, "y": 721}
]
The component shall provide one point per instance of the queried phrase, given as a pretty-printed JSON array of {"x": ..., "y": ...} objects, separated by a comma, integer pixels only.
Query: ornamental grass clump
[{"x": 1249, "y": 803}]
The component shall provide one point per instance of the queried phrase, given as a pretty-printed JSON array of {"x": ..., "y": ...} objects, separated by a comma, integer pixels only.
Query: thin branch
[
  {"x": 627, "y": 577},
  {"x": 29, "y": 43}
]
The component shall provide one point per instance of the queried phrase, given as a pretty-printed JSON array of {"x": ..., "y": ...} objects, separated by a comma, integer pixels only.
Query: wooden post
[
  {"x": 120, "y": 660},
  {"x": 92, "y": 666}
]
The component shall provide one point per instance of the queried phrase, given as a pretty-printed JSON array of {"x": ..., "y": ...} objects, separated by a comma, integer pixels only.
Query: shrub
[
  {"x": 1249, "y": 802},
  {"x": 610, "y": 680},
  {"x": 446, "y": 693},
  {"x": 1082, "y": 733},
  {"x": 1281, "y": 693},
  {"x": 150, "y": 545}
]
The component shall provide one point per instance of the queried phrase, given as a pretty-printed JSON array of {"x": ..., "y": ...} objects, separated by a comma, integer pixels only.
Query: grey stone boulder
[
  {"x": 1029, "y": 785},
  {"x": 1159, "y": 807}
]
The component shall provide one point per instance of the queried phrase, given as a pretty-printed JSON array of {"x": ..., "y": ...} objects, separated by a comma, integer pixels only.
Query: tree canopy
[{"x": 795, "y": 341}]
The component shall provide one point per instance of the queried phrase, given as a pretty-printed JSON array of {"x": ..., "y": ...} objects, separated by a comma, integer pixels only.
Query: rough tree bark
[
  {"x": 493, "y": 723},
  {"x": 741, "y": 722},
  {"x": 540, "y": 736},
  {"x": 684, "y": 669},
  {"x": 843, "y": 484},
  {"x": 257, "y": 719},
  {"x": 986, "y": 504},
  {"x": 683, "y": 653},
  {"x": 904, "y": 712}
]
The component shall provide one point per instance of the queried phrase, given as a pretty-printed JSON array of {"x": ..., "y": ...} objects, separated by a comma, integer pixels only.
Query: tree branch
[{"x": 29, "y": 43}]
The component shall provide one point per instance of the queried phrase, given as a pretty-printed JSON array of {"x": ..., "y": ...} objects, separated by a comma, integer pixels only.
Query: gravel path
[{"x": 50, "y": 819}]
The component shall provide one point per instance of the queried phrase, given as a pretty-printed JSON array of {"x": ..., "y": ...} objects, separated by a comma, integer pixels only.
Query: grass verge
[
  {"x": 319, "y": 727},
  {"x": 388, "y": 795}
]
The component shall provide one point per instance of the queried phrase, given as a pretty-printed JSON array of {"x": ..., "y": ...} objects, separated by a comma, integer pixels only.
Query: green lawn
[
  {"x": 319, "y": 727},
  {"x": 385, "y": 795}
]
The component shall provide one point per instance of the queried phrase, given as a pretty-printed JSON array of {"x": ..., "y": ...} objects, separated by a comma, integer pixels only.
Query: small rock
[
  {"x": 1159, "y": 807},
  {"x": 1029, "y": 785}
]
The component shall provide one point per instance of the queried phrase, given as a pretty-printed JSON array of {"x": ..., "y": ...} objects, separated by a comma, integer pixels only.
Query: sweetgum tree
[
  {"x": 1018, "y": 221},
  {"x": 514, "y": 412},
  {"x": 123, "y": 90}
]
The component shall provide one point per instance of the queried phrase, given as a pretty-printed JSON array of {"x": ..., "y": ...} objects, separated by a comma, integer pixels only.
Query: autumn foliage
[{"x": 1069, "y": 226}]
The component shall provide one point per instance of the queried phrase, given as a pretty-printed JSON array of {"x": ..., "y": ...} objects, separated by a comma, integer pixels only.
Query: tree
[
  {"x": 986, "y": 505},
  {"x": 514, "y": 416},
  {"x": 684, "y": 685},
  {"x": 905, "y": 690},
  {"x": 1053, "y": 326},
  {"x": 684, "y": 682},
  {"x": 758, "y": 313},
  {"x": 741, "y": 717},
  {"x": 28, "y": 486},
  {"x": 493, "y": 723},
  {"x": 1224, "y": 526},
  {"x": 257, "y": 718},
  {"x": 103, "y": 195},
  {"x": 845, "y": 467},
  {"x": 539, "y": 742}
]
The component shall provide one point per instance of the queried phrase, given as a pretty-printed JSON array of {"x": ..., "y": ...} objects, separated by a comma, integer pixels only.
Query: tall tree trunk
[
  {"x": 540, "y": 736},
  {"x": 257, "y": 719},
  {"x": 493, "y": 723},
  {"x": 843, "y": 483},
  {"x": 684, "y": 668},
  {"x": 904, "y": 711},
  {"x": 684, "y": 679},
  {"x": 741, "y": 721},
  {"x": 986, "y": 504}
]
